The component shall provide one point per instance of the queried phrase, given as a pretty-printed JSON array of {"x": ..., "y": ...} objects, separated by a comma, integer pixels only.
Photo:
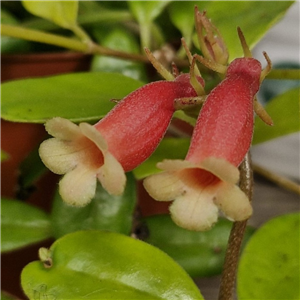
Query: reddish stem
[{"x": 228, "y": 278}]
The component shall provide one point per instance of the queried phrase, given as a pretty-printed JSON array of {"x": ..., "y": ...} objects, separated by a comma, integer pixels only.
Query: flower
[
  {"x": 206, "y": 180},
  {"x": 118, "y": 143}
]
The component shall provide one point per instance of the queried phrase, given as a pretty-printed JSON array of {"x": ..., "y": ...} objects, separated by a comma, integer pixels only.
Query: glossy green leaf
[
  {"x": 106, "y": 265},
  {"x": 201, "y": 254},
  {"x": 123, "y": 40},
  {"x": 284, "y": 111},
  {"x": 105, "y": 212},
  {"x": 169, "y": 148},
  {"x": 254, "y": 17},
  {"x": 270, "y": 264},
  {"x": 77, "y": 96},
  {"x": 145, "y": 12},
  {"x": 62, "y": 13},
  {"x": 22, "y": 225}
]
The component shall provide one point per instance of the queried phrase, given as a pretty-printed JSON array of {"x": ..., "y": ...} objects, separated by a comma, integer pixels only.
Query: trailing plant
[{"x": 103, "y": 246}]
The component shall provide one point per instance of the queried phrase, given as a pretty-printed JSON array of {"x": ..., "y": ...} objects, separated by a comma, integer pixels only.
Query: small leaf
[
  {"x": 62, "y": 13},
  {"x": 78, "y": 96},
  {"x": 199, "y": 253},
  {"x": 270, "y": 264},
  {"x": 145, "y": 12},
  {"x": 22, "y": 225},
  {"x": 284, "y": 111},
  {"x": 123, "y": 40},
  {"x": 182, "y": 16},
  {"x": 106, "y": 265},
  {"x": 165, "y": 150},
  {"x": 105, "y": 212}
]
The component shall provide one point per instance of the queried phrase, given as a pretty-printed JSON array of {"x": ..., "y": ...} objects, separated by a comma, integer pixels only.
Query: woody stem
[{"x": 228, "y": 278}]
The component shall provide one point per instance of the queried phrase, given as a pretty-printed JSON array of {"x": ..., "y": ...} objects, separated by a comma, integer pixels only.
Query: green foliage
[
  {"x": 145, "y": 12},
  {"x": 165, "y": 150},
  {"x": 270, "y": 264},
  {"x": 22, "y": 224},
  {"x": 75, "y": 96},
  {"x": 123, "y": 40},
  {"x": 106, "y": 265},
  {"x": 201, "y": 254},
  {"x": 284, "y": 110},
  {"x": 255, "y": 18},
  {"x": 62, "y": 13},
  {"x": 9, "y": 44},
  {"x": 105, "y": 212}
]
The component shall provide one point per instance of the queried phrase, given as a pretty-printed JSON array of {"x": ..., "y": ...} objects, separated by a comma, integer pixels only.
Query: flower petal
[
  {"x": 233, "y": 202},
  {"x": 59, "y": 156},
  {"x": 164, "y": 186},
  {"x": 78, "y": 187},
  {"x": 94, "y": 135},
  {"x": 221, "y": 168},
  {"x": 112, "y": 175},
  {"x": 63, "y": 129},
  {"x": 175, "y": 164},
  {"x": 195, "y": 210}
]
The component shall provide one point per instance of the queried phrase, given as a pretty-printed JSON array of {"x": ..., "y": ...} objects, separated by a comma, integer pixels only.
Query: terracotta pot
[{"x": 14, "y": 66}]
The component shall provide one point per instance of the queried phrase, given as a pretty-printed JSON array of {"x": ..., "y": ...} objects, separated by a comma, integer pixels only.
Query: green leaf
[
  {"x": 62, "y": 13},
  {"x": 182, "y": 16},
  {"x": 105, "y": 212},
  {"x": 106, "y": 265},
  {"x": 254, "y": 17},
  {"x": 199, "y": 253},
  {"x": 78, "y": 96},
  {"x": 22, "y": 225},
  {"x": 165, "y": 150},
  {"x": 123, "y": 40},
  {"x": 270, "y": 264},
  {"x": 145, "y": 12},
  {"x": 284, "y": 111}
]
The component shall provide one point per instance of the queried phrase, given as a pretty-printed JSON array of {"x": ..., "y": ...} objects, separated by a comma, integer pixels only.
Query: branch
[
  {"x": 236, "y": 236},
  {"x": 279, "y": 180}
]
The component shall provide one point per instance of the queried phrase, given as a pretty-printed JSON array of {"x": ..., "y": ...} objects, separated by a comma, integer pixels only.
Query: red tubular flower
[
  {"x": 116, "y": 144},
  {"x": 205, "y": 180}
]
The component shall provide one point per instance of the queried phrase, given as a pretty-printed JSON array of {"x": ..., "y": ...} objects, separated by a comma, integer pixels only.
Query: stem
[
  {"x": 293, "y": 74},
  {"x": 228, "y": 278},
  {"x": 73, "y": 44},
  {"x": 279, "y": 180},
  {"x": 42, "y": 37}
]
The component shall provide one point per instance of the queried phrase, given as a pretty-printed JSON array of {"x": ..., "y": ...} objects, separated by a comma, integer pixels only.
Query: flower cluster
[
  {"x": 118, "y": 143},
  {"x": 201, "y": 184}
]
